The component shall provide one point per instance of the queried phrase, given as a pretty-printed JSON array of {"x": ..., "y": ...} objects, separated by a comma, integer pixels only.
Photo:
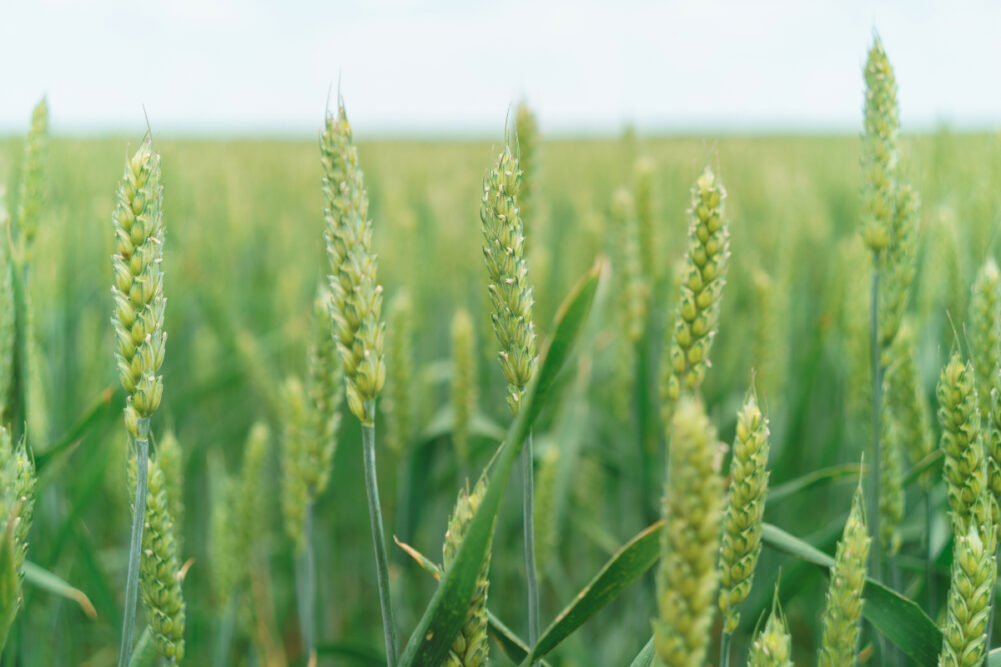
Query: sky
[{"x": 244, "y": 67}]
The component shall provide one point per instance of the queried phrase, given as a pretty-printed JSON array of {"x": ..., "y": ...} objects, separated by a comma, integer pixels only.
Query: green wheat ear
[
  {"x": 159, "y": 570},
  {"x": 697, "y": 313},
  {"x": 355, "y": 293},
  {"x": 879, "y": 149},
  {"x": 32, "y": 194},
  {"x": 742, "y": 522},
  {"x": 295, "y": 490},
  {"x": 687, "y": 578},
  {"x": 985, "y": 331},
  {"x": 961, "y": 441},
  {"x": 17, "y": 501},
  {"x": 171, "y": 459},
  {"x": 643, "y": 194},
  {"x": 471, "y": 646},
  {"x": 324, "y": 390},
  {"x": 844, "y": 595},
  {"x": 908, "y": 423},
  {"x": 463, "y": 382},
  {"x": 965, "y": 631},
  {"x": 772, "y": 647},
  {"x": 527, "y": 132},
  {"x": 399, "y": 406},
  {"x": 634, "y": 284},
  {"x": 510, "y": 293},
  {"x": 138, "y": 286}
]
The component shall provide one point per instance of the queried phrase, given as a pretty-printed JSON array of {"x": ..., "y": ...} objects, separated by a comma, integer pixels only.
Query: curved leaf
[
  {"x": 645, "y": 657},
  {"x": 899, "y": 619},
  {"x": 442, "y": 620},
  {"x": 41, "y": 578},
  {"x": 627, "y": 565}
]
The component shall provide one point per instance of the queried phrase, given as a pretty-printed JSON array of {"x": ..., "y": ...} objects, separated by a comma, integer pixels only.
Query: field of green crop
[{"x": 243, "y": 255}]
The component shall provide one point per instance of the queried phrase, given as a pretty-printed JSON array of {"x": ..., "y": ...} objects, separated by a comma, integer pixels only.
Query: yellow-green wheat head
[
  {"x": 511, "y": 295},
  {"x": 644, "y": 170},
  {"x": 138, "y": 286},
  {"x": 843, "y": 611},
  {"x": 985, "y": 331},
  {"x": 470, "y": 647},
  {"x": 527, "y": 131},
  {"x": 159, "y": 570},
  {"x": 993, "y": 442},
  {"x": 879, "y": 148},
  {"x": 772, "y": 647},
  {"x": 324, "y": 389},
  {"x": 965, "y": 631},
  {"x": 899, "y": 264},
  {"x": 17, "y": 502},
  {"x": 32, "y": 193},
  {"x": 294, "y": 487},
  {"x": 745, "y": 509},
  {"x": 463, "y": 382},
  {"x": 965, "y": 474},
  {"x": 692, "y": 508},
  {"x": 635, "y": 287},
  {"x": 399, "y": 405},
  {"x": 355, "y": 293},
  {"x": 702, "y": 282},
  {"x": 908, "y": 419}
]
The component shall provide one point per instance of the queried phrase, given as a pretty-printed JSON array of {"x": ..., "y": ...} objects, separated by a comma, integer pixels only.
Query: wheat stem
[
  {"x": 305, "y": 577},
  {"x": 226, "y": 632},
  {"x": 378, "y": 536},
  {"x": 135, "y": 543},
  {"x": 877, "y": 401},
  {"x": 531, "y": 574},
  {"x": 724, "y": 649}
]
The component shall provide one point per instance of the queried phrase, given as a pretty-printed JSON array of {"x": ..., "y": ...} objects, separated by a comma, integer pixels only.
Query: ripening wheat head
[
  {"x": 985, "y": 331},
  {"x": 356, "y": 295},
  {"x": 697, "y": 313},
  {"x": 511, "y": 295},
  {"x": 965, "y": 630},
  {"x": 899, "y": 264},
  {"x": 17, "y": 495},
  {"x": 527, "y": 132},
  {"x": 138, "y": 287},
  {"x": 159, "y": 570},
  {"x": 634, "y": 284},
  {"x": 398, "y": 406},
  {"x": 843, "y": 612},
  {"x": 470, "y": 647},
  {"x": 879, "y": 148},
  {"x": 909, "y": 423},
  {"x": 294, "y": 489},
  {"x": 745, "y": 509},
  {"x": 463, "y": 382},
  {"x": 324, "y": 389},
  {"x": 961, "y": 441},
  {"x": 31, "y": 195},
  {"x": 772, "y": 647},
  {"x": 687, "y": 578}
]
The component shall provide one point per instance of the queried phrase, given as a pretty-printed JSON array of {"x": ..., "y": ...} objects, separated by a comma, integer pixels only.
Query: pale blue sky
[{"x": 242, "y": 66}]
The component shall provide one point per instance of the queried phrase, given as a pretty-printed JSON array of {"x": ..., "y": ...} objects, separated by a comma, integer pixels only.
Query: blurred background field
[{"x": 243, "y": 256}]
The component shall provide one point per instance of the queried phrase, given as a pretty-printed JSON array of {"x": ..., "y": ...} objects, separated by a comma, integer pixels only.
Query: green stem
[
  {"x": 305, "y": 577},
  {"x": 724, "y": 649},
  {"x": 528, "y": 511},
  {"x": 226, "y": 625},
  {"x": 929, "y": 565},
  {"x": 135, "y": 543},
  {"x": 378, "y": 536}
]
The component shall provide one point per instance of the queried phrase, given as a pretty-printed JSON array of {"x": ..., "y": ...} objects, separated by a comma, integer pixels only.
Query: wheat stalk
[{"x": 138, "y": 324}]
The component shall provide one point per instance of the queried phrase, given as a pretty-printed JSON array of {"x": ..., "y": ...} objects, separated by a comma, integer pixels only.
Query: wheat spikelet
[
  {"x": 697, "y": 313},
  {"x": 138, "y": 286},
  {"x": 17, "y": 502},
  {"x": 635, "y": 289},
  {"x": 159, "y": 571},
  {"x": 879, "y": 149},
  {"x": 843, "y": 611},
  {"x": 31, "y": 196},
  {"x": 687, "y": 577},
  {"x": 527, "y": 132},
  {"x": 908, "y": 409},
  {"x": 745, "y": 508},
  {"x": 355, "y": 293},
  {"x": 510, "y": 293},
  {"x": 961, "y": 441},
  {"x": 463, "y": 382},
  {"x": 324, "y": 389},
  {"x": 985, "y": 331},
  {"x": 398, "y": 406},
  {"x": 770, "y": 353},
  {"x": 899, "y": 263},
  {"x": 470, "y": 647},
  {"x": 772, "y": 647},
  {"x": 294, "y": 489},
  {"x": 965, "y": 631},
  {"x": 891, "y": 496},
  {"x": 171, "y": 459}
]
